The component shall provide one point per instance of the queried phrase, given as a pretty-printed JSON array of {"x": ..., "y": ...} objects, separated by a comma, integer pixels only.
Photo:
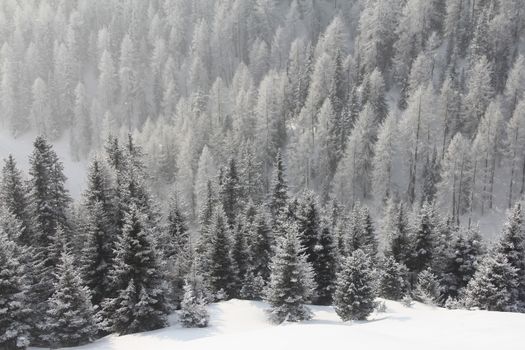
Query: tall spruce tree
[
  {"x": 354, "y": 292},
  {"x": 97, "y": 252},
  {"x": 291, "y": 282},
  {"x": 139, "y": 302},
  {"x": 393, "y": 283},
  {"x": 461, "y": 264},
  {"x": 220, "y": 271},
  {"x": 70, "y": 318},
  {"x": 512, "y": 246},
  {"x": 279, "y": 189},
  {"x": 15, "y": 310},
  {"x": 493, "y": 287},
  {"x": 325, "y": 265},
  {"x": 13, "y": 196},
  {"x": 423, "y": 240}
]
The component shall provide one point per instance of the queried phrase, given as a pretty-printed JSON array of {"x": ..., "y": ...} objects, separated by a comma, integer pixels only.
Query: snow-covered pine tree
[
  {"x": 220, "y": 273},
  {"x": 309, "y": 224},
  {"x": 259, "y": 243},
  {"x": 230, "y": 192},
  {"x": 355, "y": 290},
  {"x": 512, "y": 246},
  {"x": 97, "y": 252},
  {"x": 427, "y": 287},
  {"x": 48, "y": 202},
  {"x": 393, "y": 283},
  {"x": 291, "y": 282},
  {"x": 15, "y": 310},
  {"x": 240, "y": 255},
  {"x": 279, "y": 189},
  {"x": 493, "y": 287},
  {"x": 139, "y": 302},
  {"x": 461, "y": 264},
  {"x": 70, "y": 319},
  {"x": 423, "y": 237},
  {"x": 13, "y": 197},
  {"x": 399, "y": 245},
  {"x": 193, "y": 311},
  {"x": 325, "y": 265}
]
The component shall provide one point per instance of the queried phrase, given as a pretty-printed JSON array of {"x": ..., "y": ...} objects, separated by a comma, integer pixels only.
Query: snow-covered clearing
[{"x": 242, "y": 325}]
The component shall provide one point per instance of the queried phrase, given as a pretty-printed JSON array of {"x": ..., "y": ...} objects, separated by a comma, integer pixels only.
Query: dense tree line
[{"x": 118, "y": 261}]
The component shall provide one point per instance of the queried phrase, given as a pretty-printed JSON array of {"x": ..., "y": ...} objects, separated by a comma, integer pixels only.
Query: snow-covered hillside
[
  {"x": 21, "y": 147},
  {"x": 240, "y": 325}
]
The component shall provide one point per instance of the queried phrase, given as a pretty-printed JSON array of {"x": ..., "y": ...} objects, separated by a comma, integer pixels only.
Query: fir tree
[
  {"x": 260, "y": 245},
  {"x": 309, "y": 224},
  {"x": 15, "y": 311},
  {"x": 193, "y": 308},
  {"x": 279, "y": 190},
  {"x": 13, "y": 197},
  {"x": 220, "y": 273},
  {"x": 139, "y": 303},
  {"x": 461, "y": 264},
  {"x": 399, "y": 242},
  {"x": 325, "y": 265},
  {"x": 512, "y": 246},
  {"x": 393, "y": 282},
  {"x": 493, "y": 287},
  {"x": 427, "y": 287},
  {"x": 97, "y": 252},
  {"x": 291, "y": 282},
  {"x": 354, "y": 292},
  {"x": 240, "y": 255},
  {"x": 230, "y": 192},
  {"x": 70, "y": 319},
  {"x": 423, "y": 240},
  {"x": 48, "y": 198}
]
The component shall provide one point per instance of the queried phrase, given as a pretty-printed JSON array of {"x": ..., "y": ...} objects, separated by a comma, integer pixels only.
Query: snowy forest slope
[{"x": 406, "y": 99}]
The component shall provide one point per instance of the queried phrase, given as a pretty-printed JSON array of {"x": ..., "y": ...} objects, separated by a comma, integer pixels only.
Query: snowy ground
[
  {"x": 242, "y": 325},
  {"x": 22, "y": 147}
]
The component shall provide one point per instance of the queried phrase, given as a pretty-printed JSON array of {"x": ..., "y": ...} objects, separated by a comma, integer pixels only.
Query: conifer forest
[{"x": 299, "y": 153}]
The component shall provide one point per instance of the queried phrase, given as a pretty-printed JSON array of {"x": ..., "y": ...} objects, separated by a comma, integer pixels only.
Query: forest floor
[{"x": 241, "y": 325}]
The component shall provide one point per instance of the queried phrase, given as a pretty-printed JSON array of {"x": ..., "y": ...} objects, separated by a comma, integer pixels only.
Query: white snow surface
[
  {"x": 242, "y": 325},
  {"x": 22, "y": 147}
]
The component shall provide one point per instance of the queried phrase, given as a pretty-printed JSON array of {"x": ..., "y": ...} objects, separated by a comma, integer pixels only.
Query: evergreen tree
[
  {"x": 291, "y": 282},
  {"x": 193, "y": 308},
  {"x": 139, "y": 303},
  {"x": 393, "y": 283},
  {"x": 260, "y": 244},
  {"x": 97, "y": 252},
  {"x": 279, "y": 191},
  {"x": 13, "y": 197},
  {"x": 424, "y": 237},
  {"x": 355, "y": 292},
  {"x": 70, "y": 319},
  {"x": 15, "y": 311},
  {"x": 309, "y": 224},
  {"x": 240, "y": 255},
  {"x": 493, "y": 287},
  {"x": 230, "y": 192},
  {"x": 512, "y": 246},
  {"x": 427, "y": 287},
  {"x": 399, "y": 246},
  {"x": 325, "y": 265},
  {"x": 461, "y": 264},
  {"x": 220, "y": 273},
  {"x": 48, "y": 198}
]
